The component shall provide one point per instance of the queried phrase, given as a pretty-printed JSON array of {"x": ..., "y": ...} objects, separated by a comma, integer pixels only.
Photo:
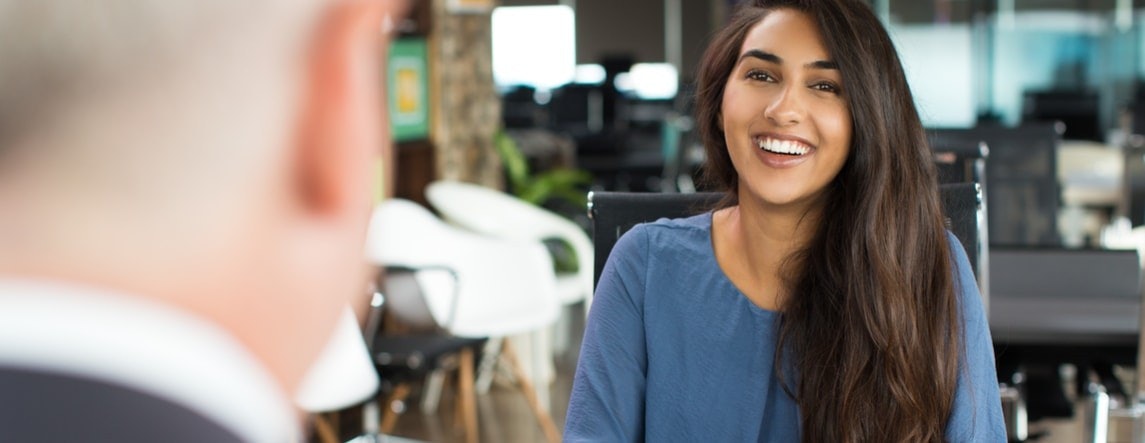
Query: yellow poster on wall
[{"x": 408, "y": 79}]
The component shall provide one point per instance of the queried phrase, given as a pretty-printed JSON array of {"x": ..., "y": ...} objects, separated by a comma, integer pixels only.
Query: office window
[
  {"x": 534, "y": 46},
  {"x": 650, "y": 81},
  {"x": 941, "y": 81}
]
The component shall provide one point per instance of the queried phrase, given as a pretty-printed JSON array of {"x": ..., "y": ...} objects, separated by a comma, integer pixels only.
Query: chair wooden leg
[
  {"x": 458, "y": 413},
  {"x": 488, "y": 367},
  {"x": 466, "y": 395},
  {"x": 458, "y": 404},
  {"x": 389, "y": 415},
  {"x": 325, "y": 431},
  {"x": 543, "y": 417}
]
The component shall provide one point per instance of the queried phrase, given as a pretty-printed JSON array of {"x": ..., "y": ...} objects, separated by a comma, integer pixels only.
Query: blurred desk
[
  {"x": 1034, "y": 320},
  {"x": 1061, "y": 305}
]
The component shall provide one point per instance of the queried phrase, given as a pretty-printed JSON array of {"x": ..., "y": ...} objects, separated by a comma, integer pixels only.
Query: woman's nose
[{"x": 785, "y": 108}]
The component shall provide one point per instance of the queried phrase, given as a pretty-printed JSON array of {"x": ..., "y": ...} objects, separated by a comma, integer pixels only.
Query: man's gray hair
[{"x": 55, "y": 51}]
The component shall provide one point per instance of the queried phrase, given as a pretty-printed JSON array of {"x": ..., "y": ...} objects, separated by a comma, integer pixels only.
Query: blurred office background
[{"x": 1039, "y": 102}]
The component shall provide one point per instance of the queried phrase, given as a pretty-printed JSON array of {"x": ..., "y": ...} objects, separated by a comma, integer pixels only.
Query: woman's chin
[{"x": 780, "y": 198}]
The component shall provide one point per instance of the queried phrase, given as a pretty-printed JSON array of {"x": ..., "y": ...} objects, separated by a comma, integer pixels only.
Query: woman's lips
[
  {"x": 783, "y": 146},
  {"x": 782, "y": 153}
]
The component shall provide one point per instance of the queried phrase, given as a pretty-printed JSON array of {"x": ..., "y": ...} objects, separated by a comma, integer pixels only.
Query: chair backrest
[
  {"x": 960, "y": 161},
  {"x": 400, "y": 292},
  {"x": 1023, "y": 189},
  {"x": 503, "y": 286},
  {"x": 614, "y": 213},
  {"x": 962, "y": 206},
  {"x": 494, "y": 213}
]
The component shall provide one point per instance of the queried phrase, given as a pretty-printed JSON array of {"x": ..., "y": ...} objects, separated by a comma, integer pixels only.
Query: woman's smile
[{"x": 782, "y": 153}]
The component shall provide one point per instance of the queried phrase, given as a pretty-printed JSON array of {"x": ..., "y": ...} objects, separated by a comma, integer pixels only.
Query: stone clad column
[{"x": 466, "y": 108}]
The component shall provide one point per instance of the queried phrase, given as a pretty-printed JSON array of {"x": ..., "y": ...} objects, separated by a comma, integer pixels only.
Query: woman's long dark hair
[{"x": 871, "y": 324}]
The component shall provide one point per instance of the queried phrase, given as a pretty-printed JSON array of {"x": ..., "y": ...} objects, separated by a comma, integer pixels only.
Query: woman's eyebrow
[
  {"x": 822, "y": 64},
  {"x": 769, "y": 57},
  {"x": 765, "y": 56}
]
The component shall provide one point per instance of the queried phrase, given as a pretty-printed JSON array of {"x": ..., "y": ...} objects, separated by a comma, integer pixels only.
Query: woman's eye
[
  {"x": 759, "y": 76},
  {"x": 826, "y": 87}
]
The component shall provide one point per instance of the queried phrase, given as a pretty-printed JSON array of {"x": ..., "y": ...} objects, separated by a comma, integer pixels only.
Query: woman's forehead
[{"x": 791, "y": 35}]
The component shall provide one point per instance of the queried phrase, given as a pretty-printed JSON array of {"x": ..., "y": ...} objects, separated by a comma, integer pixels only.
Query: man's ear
[{"x": 339, "y": 126}]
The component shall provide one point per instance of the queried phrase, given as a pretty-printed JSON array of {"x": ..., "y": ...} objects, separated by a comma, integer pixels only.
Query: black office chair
[
  {"x": 959, "y": 161},
  {"x": 614, "y": 213},
  {"x": 964, "y": 205},
  {"x": 419, "y": 346},
  {"x": 1022, "y": 192}
]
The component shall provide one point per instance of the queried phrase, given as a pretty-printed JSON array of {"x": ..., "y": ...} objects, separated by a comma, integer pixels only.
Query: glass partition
[{"x": 1014, "y": 61}]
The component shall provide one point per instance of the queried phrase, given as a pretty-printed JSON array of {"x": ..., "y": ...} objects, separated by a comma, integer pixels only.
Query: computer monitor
[
  {"x": 577, "y": 109},
  {"x": 1078, "y": 110}
]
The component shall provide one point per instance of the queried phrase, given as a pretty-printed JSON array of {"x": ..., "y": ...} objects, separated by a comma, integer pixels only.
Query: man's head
[{"x": 210, "y": 154}]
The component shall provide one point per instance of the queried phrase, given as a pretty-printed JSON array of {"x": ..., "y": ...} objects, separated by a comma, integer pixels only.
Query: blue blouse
[{"x": 673, "y": 351}]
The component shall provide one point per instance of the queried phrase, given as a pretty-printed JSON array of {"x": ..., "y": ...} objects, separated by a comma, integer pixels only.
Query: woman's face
[{"x": 784, "y": 116}]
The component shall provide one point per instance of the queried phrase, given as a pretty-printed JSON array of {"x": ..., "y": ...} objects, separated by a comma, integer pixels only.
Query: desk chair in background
[
  {"x": 493, "y": 213},
  {"x": 961, "y": 161},
  {"x": 1022, "y": 194},
  {"x": 341, "y": 377},
  {"x": 424, "y": 349},
  {"x": 614, "y": 213},
  {"x": 502, "y": 287}
]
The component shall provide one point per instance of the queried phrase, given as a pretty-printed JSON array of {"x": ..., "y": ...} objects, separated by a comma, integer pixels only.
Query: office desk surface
[
  {"x": 1050, "y": 321},
  {"x": 1065, "y": 301}
]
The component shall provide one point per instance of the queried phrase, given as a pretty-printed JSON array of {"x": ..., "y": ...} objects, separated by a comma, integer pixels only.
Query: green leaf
[
  {"x": 514, "y": 160},
  {"x": 563, "y": 183},
  {"x": 566, "y": 177},
  {"x": 536, "y": 191}
]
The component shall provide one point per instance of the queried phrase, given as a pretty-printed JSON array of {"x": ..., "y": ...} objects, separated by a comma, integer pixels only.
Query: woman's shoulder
[
  {"x": 698, "y": 222},
  {"x": 673, "y": 232},
  {"x": 965, "y": 284},
  {"x": 668, "y": 239},
  {"x": 959, "y": 260},
  {"x": 954, "y": 243}
]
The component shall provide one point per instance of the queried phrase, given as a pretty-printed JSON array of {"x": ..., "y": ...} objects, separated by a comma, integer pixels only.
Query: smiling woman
[
  {"x": 784, "y": 116},
  {"x": 823, "y": 299}
]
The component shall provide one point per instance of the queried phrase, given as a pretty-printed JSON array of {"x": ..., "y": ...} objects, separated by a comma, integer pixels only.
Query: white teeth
[{"x": 783, "y": 146}]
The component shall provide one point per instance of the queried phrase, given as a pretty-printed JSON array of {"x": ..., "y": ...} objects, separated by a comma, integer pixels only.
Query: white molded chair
[
  {"x": 497, "y": 214},
  {"x": 341, "y": 377},
  {"x": 505, "y": 287}
]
